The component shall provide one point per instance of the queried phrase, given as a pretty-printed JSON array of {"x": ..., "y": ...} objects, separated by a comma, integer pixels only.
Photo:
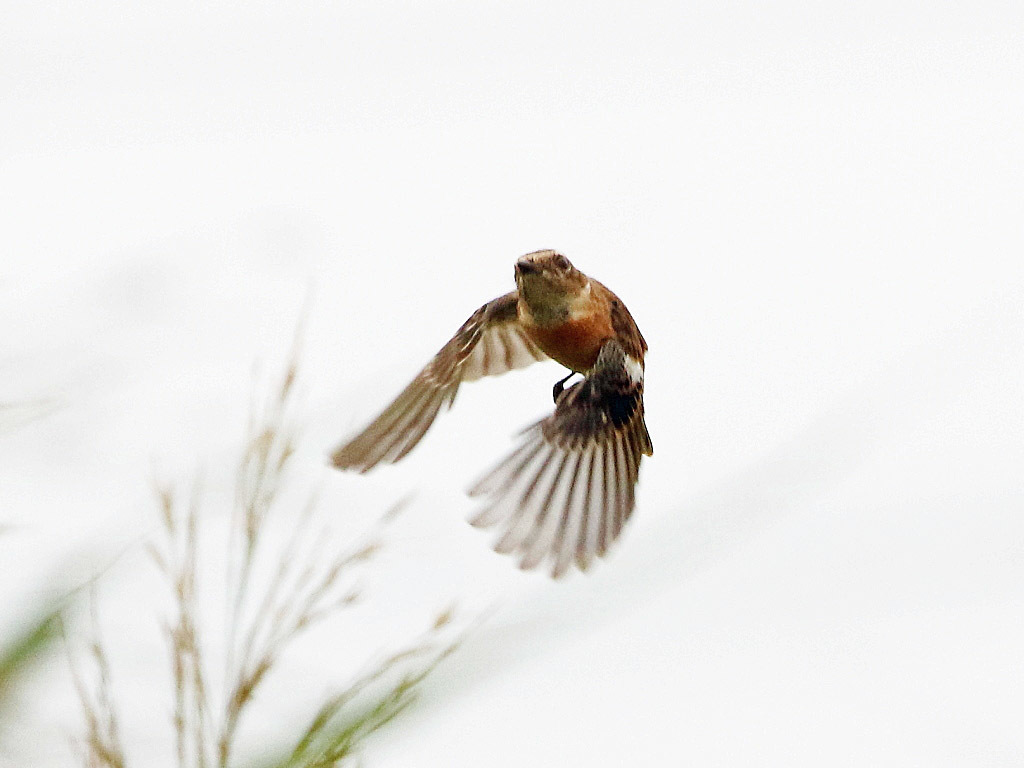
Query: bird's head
[{"x": 549, "y": 284}]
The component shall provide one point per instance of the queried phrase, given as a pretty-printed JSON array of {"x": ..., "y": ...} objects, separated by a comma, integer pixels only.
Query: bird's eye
[{"x": 562, "y": 263}]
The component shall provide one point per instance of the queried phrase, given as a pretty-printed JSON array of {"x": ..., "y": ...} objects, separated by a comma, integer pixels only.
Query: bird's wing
[
  {"x": 490, "y": 342},
  {"x": 567, "y": 491}
]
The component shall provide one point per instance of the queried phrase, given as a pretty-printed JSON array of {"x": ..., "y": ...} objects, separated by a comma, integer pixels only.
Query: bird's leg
[{"x": 560, "y": 386}]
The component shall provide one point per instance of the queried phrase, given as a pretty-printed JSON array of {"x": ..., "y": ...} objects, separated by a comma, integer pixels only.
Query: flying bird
[{"x": 565, "y": 493}]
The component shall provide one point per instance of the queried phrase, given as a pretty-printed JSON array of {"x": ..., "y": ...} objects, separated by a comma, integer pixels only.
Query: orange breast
[{"x": 574, "y": 343}]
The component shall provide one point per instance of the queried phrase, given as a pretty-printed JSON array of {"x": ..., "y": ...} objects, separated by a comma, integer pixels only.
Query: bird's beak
[{"x": 525, "y": 267}]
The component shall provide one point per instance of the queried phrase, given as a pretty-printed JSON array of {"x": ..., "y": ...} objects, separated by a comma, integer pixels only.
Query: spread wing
[
  {"x": 567, "y": 491},
  {"x": 488, "y": 343}
]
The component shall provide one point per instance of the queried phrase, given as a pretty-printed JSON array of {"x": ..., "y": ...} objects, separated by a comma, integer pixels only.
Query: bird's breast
[{"x": 576, "y": 342}]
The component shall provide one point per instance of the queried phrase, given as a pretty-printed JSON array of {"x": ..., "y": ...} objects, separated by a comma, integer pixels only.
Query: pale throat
[{"x": 554, "y": 307}]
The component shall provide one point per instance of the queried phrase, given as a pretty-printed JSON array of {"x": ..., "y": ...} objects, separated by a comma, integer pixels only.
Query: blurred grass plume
[{"x": 309, "y": 580}]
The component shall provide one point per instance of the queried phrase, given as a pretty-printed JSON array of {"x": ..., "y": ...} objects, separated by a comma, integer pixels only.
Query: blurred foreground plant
[
  {"x": 307, "y": 583},
  {"x": 21, "y": 648},
  {"x": 17, "y": 655}
]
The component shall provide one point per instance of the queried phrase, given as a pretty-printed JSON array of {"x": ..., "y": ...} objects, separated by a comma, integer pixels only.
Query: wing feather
[
  {"x": 489, "y": 343},
  {"x": 566, "y": 492}
]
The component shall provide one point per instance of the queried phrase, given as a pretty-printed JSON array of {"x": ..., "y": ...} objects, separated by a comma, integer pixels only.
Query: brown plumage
[{"x": 567, "y": 491}]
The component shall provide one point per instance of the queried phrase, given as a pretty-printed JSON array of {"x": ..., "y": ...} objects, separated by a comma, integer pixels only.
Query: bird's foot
[{"x": 559, "y": 387}]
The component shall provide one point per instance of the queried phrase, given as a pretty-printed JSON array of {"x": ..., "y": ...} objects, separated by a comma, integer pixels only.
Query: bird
[{"x": 564, "y": 494}]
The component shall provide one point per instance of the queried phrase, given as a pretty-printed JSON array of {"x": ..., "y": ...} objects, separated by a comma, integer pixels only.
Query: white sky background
[{"x": 814, "y": 214}]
